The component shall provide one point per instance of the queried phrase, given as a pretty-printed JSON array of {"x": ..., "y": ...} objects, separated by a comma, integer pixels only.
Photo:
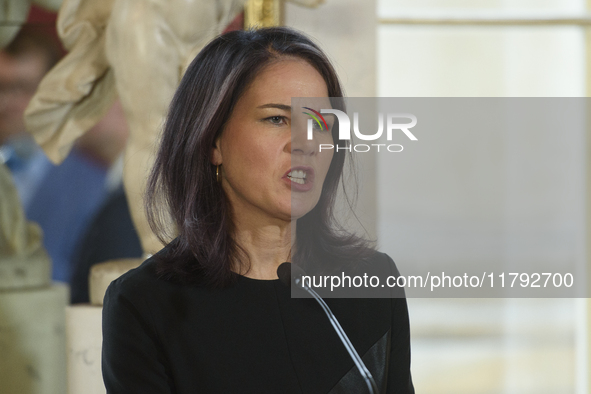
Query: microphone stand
[{"x": 286, "y": 268}]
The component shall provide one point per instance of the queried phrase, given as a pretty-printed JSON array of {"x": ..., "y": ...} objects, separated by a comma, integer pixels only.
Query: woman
[{"x": 243, "y": 184}]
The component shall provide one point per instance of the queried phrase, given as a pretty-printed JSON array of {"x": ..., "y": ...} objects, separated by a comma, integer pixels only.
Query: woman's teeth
[{"x": 297, "y": 176}]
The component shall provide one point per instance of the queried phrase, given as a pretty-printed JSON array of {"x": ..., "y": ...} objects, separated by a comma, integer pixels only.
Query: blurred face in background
[
  {"x": 19, "y": 77},
  {"x": 23, "y": 64}
]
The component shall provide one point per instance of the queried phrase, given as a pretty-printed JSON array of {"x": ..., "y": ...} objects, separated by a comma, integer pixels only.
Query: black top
[{"x": 162, "y": 337}]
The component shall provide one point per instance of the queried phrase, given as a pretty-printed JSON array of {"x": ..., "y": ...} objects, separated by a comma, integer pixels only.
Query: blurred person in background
[
  {"x": 111, "y": 233},
  {"x": 23, "y": 63},
  {"x": 61, "y": 199}
]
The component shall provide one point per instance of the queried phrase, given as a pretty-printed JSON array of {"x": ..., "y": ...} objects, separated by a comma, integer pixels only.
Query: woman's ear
[{"x": 216, "y": 153}]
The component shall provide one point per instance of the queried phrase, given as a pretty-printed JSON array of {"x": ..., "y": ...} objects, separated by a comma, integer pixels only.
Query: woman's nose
[{"x": 300, "y": 142}]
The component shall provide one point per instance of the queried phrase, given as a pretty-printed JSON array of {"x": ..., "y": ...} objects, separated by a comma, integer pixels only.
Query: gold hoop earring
[{"x": 218, "y": 173}]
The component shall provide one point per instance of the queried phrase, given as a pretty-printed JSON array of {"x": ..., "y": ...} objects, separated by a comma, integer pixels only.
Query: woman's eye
[
  {"x": 277, "y": 120},
  {"x": 321, "y": 126}
]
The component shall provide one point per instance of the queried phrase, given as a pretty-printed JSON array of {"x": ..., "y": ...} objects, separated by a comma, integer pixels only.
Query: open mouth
[{"x": 297, "y": 176}]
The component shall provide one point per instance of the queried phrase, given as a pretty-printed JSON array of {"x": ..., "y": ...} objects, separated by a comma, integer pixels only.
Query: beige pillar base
[
  {"x": 84, "y": 343},
  {"x": 32, "y": 340},
  {"x": 17, "y": 273},
  {"x": 101, "y": 276}
]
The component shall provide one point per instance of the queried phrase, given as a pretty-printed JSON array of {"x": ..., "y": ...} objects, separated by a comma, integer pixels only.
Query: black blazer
[{"x": 162, "y": 337}]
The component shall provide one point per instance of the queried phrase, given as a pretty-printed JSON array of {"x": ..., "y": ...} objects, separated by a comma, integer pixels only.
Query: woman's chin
[{"x": 301, "y": 208}]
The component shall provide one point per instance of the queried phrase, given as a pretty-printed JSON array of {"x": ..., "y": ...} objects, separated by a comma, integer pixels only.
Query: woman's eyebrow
[{"x": 278, "y": 106}]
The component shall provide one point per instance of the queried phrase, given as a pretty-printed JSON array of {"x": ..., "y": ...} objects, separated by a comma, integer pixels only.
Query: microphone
[
  {"x": 288, "y": 273},
  {"x": 291, "y": 274}
]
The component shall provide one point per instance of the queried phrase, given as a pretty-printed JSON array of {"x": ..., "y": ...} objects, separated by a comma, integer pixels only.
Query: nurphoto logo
[{"x": 392, "y": 125}]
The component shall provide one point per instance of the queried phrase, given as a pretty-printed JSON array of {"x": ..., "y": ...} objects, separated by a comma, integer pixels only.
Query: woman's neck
[{"x": 267, "y": 246}]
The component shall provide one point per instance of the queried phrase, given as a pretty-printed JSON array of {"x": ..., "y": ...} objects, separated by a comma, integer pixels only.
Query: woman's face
[{"x": 265, "y": 153}]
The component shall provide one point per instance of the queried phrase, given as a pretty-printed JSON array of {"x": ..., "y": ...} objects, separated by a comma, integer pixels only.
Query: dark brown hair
[{"x": 183, "y": 184}]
